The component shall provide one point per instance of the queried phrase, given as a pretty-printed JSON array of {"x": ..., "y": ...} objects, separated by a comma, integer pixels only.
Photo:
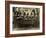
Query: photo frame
[{"x": 24, "y": 18}]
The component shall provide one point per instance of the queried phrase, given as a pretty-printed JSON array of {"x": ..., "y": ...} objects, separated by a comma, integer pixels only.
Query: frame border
[{"x": 7, "y": 18}]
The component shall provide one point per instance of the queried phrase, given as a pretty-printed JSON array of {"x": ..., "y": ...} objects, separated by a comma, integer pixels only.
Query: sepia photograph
[{"x": 25, "y": 18}]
